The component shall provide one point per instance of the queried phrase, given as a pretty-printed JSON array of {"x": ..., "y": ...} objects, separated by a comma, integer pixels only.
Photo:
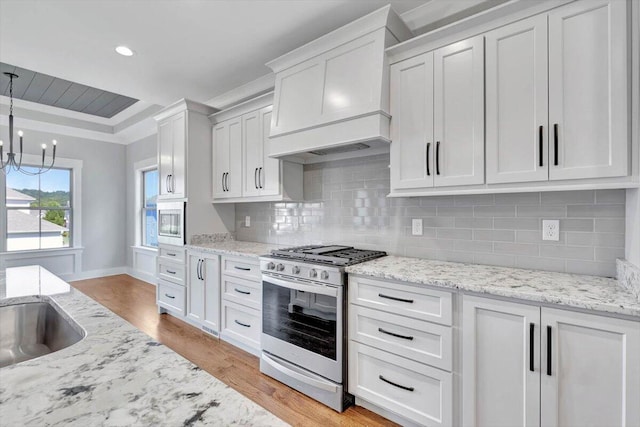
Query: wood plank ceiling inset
[{"x": 44, "y": 89}]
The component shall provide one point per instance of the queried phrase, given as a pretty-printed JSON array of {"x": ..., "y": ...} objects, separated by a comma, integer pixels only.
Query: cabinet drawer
[
  {"x": 242, "y": 291},
  {"x": 171, "y": 296},
  {"x": 172, "y": 253},
  {"x": 421, "y": 341},
  {"x": 242, "y": 267},
  {"x": 241, "y": 324},
  {"x": 172, "y": 272},
  {"x": 412, "y": 390},
  {"x": 399, "y": 298}
]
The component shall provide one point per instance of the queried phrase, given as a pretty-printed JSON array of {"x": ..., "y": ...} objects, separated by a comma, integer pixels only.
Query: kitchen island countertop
[{"x": 115, "y": 376}]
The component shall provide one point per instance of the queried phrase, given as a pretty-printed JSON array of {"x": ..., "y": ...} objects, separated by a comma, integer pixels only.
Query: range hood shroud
[{"x": 332, "y": 94}]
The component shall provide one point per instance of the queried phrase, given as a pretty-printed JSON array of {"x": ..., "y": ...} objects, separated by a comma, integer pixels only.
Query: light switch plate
[
  {"x": 416, "y": 226},
  {"x": 551, "y": 229},
  {"x": 247, "y": 221}
]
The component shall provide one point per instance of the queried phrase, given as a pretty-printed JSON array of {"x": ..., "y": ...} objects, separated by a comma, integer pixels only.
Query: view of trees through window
[
  {"x": 39, "y": 210},
  {"x": 149, "y": 213}
]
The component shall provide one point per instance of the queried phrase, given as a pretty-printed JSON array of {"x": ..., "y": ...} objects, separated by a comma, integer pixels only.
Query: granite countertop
[
  {"x": 115, "y": 376},
  {"x": 235, "y": 247},
  {"x": 587, "y": 292}
]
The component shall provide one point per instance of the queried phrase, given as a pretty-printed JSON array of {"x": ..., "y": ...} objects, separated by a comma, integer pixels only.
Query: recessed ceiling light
[{"x": 124, "y": 51}]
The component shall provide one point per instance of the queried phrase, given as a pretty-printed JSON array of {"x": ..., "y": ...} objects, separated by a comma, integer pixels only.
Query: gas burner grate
[{"x": 330, "y": 255}]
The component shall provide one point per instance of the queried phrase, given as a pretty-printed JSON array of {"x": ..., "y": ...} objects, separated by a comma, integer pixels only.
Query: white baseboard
[
  {"x": 92, "y": 274},
  {"x": 142, "y": 275}
]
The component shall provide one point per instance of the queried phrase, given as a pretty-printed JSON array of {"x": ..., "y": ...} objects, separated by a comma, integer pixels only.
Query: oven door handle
[
  {"x": 332, "y": 388},
  {"x": 313, "y": 289}
]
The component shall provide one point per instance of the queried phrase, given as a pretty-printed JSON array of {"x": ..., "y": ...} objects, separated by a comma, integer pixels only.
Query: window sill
[
  {"x": 43, "y": 252},
  {"x": 148, "y": 249}
]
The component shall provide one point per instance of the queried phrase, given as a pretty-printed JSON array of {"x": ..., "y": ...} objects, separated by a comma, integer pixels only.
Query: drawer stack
[
  {"x": 401, "y": 349},
  {"x": 171, "y": 292},
  {"x": 241, "y": 288}
]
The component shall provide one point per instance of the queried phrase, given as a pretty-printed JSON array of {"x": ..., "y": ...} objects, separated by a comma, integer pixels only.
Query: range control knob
[
  {"x": 295, "y": 269},
  {"x": 279, "y": 267},
  {"x": 313, "y": 273},
  {"x": 271, "y": 266},
  {"x": 324, "y": 275}
]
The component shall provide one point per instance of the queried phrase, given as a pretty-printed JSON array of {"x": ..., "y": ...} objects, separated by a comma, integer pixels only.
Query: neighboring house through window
[{"x": 39, "y": 210}]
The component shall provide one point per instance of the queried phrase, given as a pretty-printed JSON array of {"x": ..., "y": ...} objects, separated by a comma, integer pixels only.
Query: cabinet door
[
  {"x": 588, "y": 90},
  {"x": 195, "y": 289},
  {"x": 179, "y": 139},
  {"x": 412, "y": 144},
  {"x": 269, "y": 177},
  {"x": 594, "y": 375},
  {"x": 459, "y": 113},
  {"x": 211, "y": 273},
  {"x": 165, "y": 156},
  {"x": 516, "y": 102},
  {"x": 227, "y": 145},
  {"x": 252, "y": 153},
  {"x": 500, "y": 388}
]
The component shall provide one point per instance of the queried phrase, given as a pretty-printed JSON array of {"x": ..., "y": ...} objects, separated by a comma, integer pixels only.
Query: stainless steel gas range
[{"x": 304, "y": 319}]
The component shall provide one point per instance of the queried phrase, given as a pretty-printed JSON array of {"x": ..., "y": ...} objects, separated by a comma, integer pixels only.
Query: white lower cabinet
[
  {"x": 399, "y": 361},
  {"x": 170, "y": 296},
  {"x": 241, "y": 302},
  {"x": 529, "y": 365},
  {"x": 203, "y": 291}
]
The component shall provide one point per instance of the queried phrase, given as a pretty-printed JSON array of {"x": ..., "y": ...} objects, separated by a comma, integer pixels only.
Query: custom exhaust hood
[{"x": 332, "y": 95}]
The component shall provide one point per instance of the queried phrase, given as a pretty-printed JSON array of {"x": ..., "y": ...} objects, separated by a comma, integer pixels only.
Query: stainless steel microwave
[{"x": 171, "y": 223}]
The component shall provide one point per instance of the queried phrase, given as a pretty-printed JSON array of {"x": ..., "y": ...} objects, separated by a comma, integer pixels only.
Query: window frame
[
  {"x": 75, "y": 231},
  {"x": 139, "y": 168},
  {"x": 144, "y": 208}
]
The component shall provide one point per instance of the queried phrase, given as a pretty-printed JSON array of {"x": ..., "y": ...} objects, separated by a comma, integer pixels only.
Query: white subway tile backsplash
[{"x": 346, "y": 203}]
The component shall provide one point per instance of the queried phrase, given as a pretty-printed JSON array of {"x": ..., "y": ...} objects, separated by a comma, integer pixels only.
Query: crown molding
[{"x": 243, "y": 93}]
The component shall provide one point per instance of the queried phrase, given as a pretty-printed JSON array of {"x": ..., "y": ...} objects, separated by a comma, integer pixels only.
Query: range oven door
[{"x": 302, "y": 323}]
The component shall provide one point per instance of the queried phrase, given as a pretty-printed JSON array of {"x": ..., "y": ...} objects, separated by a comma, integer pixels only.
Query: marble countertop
[
  {"x": 115, "y": 376},
  {"x": 587, "y": 292},
  {"x": 235, "y": 247}
]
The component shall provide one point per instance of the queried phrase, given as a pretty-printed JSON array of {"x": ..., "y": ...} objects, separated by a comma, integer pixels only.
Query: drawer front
[
  {"x": 171, "y": 296},
  {"x": 241, "y": 291},
  {"x": 421, "y": 341},
  {"x": 412, "y": 390},
  {"x": 399, "y": 298},
  {"x": 242, "y": 267},
  {"x": 171, "y": 253},
  {"x": 172, "y": 272},
  {"x": 241, "y": 324}
]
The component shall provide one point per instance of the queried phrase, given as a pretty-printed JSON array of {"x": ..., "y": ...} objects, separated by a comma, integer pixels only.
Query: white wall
[{"x": 103, "y": 202}]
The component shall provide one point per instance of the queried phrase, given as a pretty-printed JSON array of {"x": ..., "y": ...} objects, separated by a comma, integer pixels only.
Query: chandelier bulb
[
  {"x": 54, "y": 142},
  {"x": 44, "y": 146},
  {"x": 20, "y": 133}
]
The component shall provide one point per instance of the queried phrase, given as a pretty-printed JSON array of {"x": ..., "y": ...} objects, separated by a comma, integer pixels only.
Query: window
[
  {"x": 149, "y": 213},
  {"x": 39, "y": 210}
]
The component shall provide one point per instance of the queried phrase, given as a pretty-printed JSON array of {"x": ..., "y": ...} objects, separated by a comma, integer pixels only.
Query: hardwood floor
[{"x": 134, "y": 301}]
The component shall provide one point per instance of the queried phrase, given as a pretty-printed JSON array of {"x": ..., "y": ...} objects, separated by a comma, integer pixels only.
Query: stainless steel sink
[{"x": 32, "y": 330}]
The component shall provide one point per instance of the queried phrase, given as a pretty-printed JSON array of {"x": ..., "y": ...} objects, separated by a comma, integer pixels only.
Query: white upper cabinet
[
  {"x": 332, "y": 94},
  {"x": 437, "y": 104},
  {"x": 412, "y": 149},
  {"x": 459, "y": 113},
  {"x": 557, "y": 95},
  {"x": 243, "y": 170},
  {"x": 172, "y": 156},
  {"x": 588, "y": 90},
  {"x": 227, "y": 158},
  {"x": 516, "y": 102}
]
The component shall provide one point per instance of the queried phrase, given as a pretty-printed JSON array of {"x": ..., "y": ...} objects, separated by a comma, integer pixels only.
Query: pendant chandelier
[{"x": 11, "y": 163}]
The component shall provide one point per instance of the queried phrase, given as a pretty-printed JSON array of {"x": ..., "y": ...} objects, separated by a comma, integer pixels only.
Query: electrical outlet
[
  {"x": 247, "y": 221},
  {"x": 416, "y": 226},
  {"x": 550, "y": 229}
]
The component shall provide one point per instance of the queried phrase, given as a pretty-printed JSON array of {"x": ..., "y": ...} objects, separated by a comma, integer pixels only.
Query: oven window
[{"x": 304, "y": 319}]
